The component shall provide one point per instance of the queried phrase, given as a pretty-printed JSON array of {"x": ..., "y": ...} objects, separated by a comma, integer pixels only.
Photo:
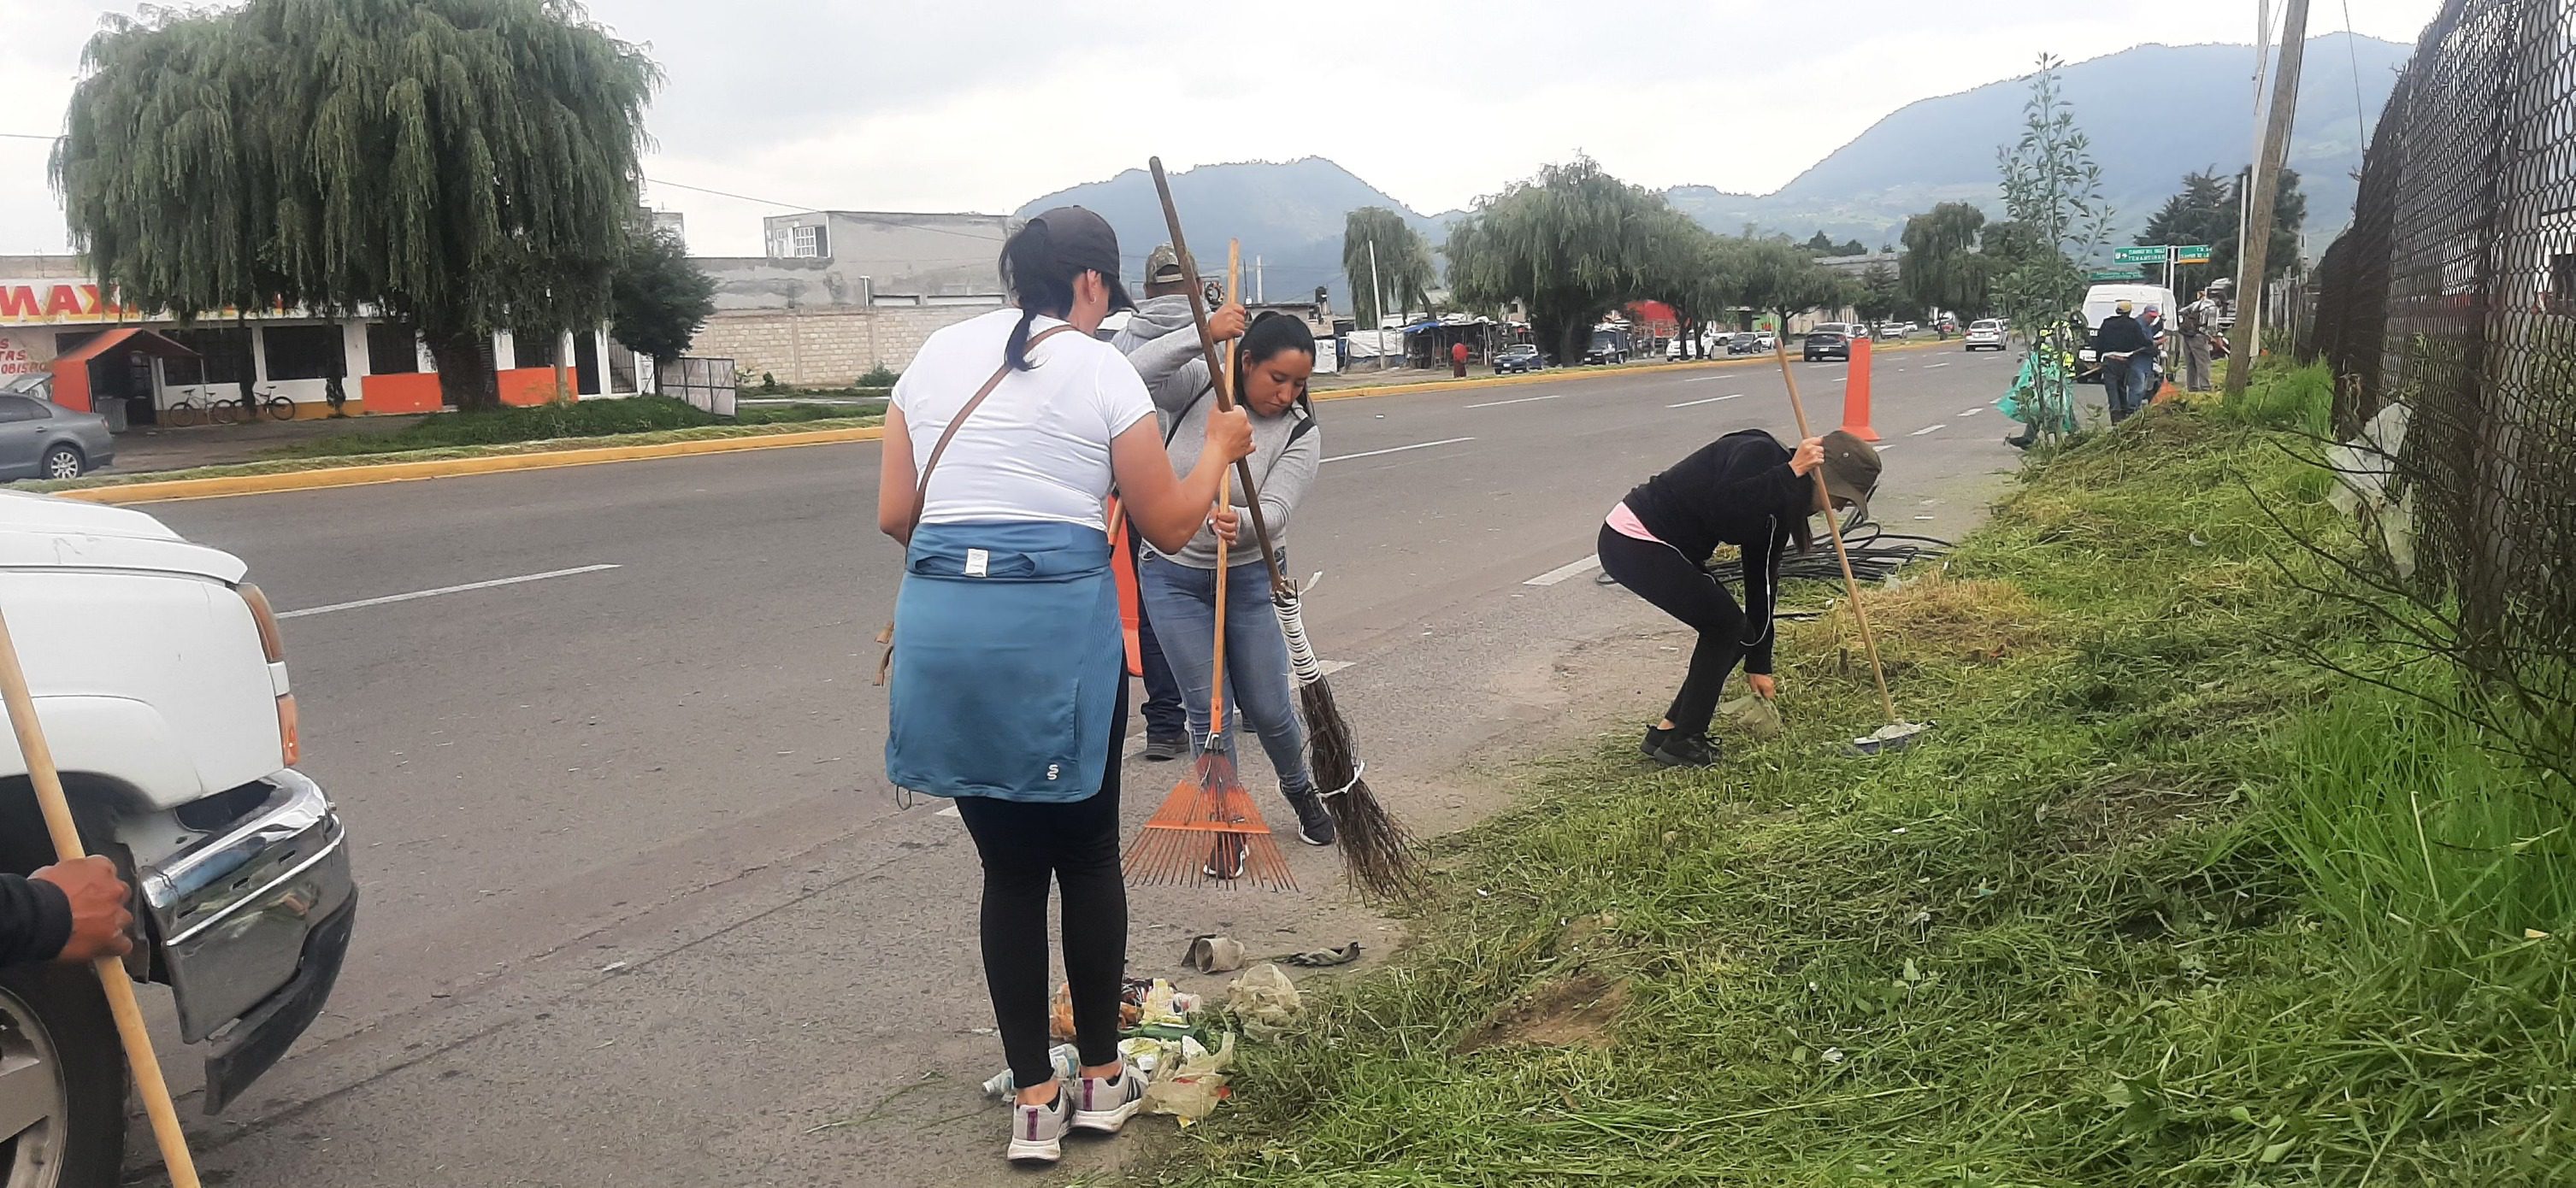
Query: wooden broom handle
[
  {"x": 1224, "y": 496},
  {"x": 1207, "y": 346},
  {"x": 111, "y": 971},
  {"x": 1834, "y": 525}
]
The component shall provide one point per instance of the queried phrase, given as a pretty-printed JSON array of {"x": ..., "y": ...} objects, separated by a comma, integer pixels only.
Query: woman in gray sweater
[{"x": 1271, "y": 364}]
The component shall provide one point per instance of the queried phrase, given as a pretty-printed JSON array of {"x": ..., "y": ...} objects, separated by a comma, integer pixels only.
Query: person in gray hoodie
[
  {"x": 1272, "y": 362},
  {"x": 1164, "y": 316}
]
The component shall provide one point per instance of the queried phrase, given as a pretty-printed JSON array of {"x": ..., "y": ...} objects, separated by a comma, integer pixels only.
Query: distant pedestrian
[
  {"x": 1008, "y": 617},
  {"x": 1458, "y": 361},
  {"x": 2199, "y": 320},
  {"x": 2117, "y": 343}
]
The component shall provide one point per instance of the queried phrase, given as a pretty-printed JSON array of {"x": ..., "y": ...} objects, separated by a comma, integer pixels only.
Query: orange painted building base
[
  {"x": 416, "y": 392},
  {"x": 525, "y": 387}
]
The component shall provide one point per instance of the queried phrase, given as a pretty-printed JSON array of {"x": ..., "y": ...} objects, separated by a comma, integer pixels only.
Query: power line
[
  {"x": 856, "y": 216},
  {"x": 29, "y": 136},
  {"x": 2360, "y": 117}
]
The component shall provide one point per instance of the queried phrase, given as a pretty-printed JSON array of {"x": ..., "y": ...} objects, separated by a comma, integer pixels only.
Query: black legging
[
  {"x": 1022, "y": 843},
  {"x": 1659, "y": 574}
]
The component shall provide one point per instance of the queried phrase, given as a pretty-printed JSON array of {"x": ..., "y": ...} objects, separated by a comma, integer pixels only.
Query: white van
[{"x": 2102, "y": 299}]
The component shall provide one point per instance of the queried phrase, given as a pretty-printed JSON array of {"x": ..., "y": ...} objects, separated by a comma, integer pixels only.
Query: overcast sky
[{"x": 968, "y": 106}]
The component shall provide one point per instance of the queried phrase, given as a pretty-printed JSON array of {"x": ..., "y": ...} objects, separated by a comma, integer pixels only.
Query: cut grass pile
[{"x": 2160, "y": 902}]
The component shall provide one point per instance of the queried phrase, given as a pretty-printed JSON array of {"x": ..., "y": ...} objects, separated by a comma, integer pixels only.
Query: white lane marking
[
  {"x": 1929, "y": 429},
  {"x": 417, "y": 594},
  {"x": 1710, "y": 400},
  {"x": 1884, "y": 446},
  {"x": 1562, "y": 572},
  {"x": 1419, "y": 445},
  {"x": 1930, "y": 366},
  {"x": 1701, "y": 379},
  {"x": 1970, "y": 412},
  {"x": 1522, "y": 400}
]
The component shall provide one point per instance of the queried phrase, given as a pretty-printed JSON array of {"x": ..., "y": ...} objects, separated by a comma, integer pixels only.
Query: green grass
[
  {"x": 2160, "y": 902},
  {"x": 550, "y": 422}
]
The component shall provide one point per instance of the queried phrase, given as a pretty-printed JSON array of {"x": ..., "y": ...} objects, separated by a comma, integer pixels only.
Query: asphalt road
[{"x": 639, "y": 906}]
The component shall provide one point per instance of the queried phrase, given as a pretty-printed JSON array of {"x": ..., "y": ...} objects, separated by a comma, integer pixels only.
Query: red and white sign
[{"x": 15, "y": 359}]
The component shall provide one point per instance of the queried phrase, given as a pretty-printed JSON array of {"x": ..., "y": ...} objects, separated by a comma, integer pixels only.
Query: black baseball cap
[{"x": 1086, "y": 242}]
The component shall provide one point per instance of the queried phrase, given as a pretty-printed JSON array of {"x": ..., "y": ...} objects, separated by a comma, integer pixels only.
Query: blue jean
[
  {"x": 1182, "y": 602},
  {"x": 1162, "y": 707},
  {"x": 2129, "y": 383}
]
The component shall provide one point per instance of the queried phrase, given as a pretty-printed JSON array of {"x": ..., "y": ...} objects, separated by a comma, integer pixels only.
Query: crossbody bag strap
[{"x": 921, "y": 488}]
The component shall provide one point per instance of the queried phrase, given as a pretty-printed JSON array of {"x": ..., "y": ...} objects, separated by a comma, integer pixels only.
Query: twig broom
[
  {"x": 1208, "y": 829},
  {"x": 1379, "y": 855}
]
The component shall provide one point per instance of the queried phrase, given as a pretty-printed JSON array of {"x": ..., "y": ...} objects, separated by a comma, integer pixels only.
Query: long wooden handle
[
  {"x": 1207, "y": 346},
  {"x": 1834, "y": 525},
  {"x": 1224, "y": 496},
  {"x": 111, "y": 972}
]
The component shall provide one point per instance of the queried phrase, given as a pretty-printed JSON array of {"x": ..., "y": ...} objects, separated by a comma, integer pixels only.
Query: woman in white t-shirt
[{"x": 1009, "y": 683}]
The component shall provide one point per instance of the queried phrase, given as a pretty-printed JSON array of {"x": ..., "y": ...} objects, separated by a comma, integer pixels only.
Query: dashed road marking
[
  {"x": 419, "y": 594},
  {"x": 1929, "y": 429},
  {"x": 1522, "y": 400},
  {"x": 1710, "y": 400},
  {"x": 1562, "y": 572},
  {"x": 1419, "y": 445},
  {"x": 1970, "y": 412}
]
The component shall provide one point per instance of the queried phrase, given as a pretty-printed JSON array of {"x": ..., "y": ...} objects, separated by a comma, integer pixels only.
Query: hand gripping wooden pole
[
  {"x": 111, "y": 971},
  {"x": 1834, "y": 525}
]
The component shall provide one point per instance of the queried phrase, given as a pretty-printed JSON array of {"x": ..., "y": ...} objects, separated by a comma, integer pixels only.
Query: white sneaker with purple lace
[
  {"x": 1103, "y": 1104},
  {"x": 1037, "y": 1131}
]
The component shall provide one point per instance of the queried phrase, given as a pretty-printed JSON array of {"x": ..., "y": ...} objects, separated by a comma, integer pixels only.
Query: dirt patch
[{"x": 1572, "y": 1012}]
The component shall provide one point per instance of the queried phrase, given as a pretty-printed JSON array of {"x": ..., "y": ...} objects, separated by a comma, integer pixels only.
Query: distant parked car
[
  {"x": 40, "y": 439},
  {"x": 1986, "y": 334},
  {"x": 1827, "y": 344},
  {"x": 1518, "y": 357},
  {"x": 1764, "y": 340},
  {"x": 1746, "y": 343},
  {"x": 1608, "y": 346}
]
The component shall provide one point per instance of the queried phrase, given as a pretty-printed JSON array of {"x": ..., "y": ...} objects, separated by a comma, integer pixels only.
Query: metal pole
[
  {"x": 2256, "y": 237},
  {"x": 1379, "y": 292}
]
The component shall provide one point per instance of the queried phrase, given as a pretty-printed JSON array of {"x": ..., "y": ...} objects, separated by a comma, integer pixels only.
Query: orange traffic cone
[{"x": 1856, "y": 393}]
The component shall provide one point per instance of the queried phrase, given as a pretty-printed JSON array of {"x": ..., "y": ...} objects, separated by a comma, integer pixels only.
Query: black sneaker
[
  {"x": 1162, "y": 746},
  {"x": 1655, "y": 738},
  {"x": 1683, "y": 751},
  {"x": 1225, "y": 858},
  {"x": 1314, "y": 822}
]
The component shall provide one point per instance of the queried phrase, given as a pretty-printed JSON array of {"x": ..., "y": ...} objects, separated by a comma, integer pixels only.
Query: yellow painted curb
[{"x": 403, "y": 472}]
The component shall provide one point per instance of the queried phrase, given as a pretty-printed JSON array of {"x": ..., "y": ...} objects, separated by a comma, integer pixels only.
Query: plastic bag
[
  {"x": 1193, "y": 1086},
  {"x": 1264, "y": 1000},
  {"x": 1759, "y": 716}
]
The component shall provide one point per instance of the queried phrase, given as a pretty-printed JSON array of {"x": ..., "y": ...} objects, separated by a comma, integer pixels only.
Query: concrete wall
[
  {"x": 828, "y": 346},
  {"x": 756, "y": 282},
  {"x": 905, "y": 253}
]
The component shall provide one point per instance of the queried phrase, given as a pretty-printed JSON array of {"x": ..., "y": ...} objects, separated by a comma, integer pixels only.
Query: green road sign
[
  {"x": 2113, "y": 274},
  {"x": 2150, "y": 254},
  {"x": 2194, "y": 253}
]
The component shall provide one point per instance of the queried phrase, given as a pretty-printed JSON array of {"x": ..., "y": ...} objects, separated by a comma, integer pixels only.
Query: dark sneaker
[
  {"x": 1037, "y": 1132},
  {"x": 1655, "y": 739},
  {"x": 1314, "y": 823},
  {"x": 1164, "y": 745},
  {"x": 1103, "y": 1104},
  {"x": 1680, "y": 751},
  {"x": 1225, "y": 858}
]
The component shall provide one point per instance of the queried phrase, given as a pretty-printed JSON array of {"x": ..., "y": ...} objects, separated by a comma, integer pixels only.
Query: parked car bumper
[{"x": 252, "y": 924}]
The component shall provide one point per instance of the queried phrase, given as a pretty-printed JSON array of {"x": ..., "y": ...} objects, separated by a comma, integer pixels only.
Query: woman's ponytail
[{"x": 1037, "y": 283}]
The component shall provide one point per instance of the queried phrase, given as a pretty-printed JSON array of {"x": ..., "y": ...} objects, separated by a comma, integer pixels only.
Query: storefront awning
[{"x": 125, "y": 336}]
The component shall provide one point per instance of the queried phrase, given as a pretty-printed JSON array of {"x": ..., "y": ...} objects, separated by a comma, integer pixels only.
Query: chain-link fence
[{"x": 2454, "y": 295}]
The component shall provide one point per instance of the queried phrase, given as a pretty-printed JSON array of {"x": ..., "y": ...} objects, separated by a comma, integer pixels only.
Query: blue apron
[{"x": 1006, "y": 662}]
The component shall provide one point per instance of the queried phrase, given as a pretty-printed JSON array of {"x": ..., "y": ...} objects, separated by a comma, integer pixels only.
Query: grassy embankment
[{"x": 2162, "y": 901}]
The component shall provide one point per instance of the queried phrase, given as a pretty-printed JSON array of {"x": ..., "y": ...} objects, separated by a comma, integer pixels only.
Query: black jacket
[
  {"x": 1736, "y": 490},
  {"x": 35, "y": 920},
  {"x": 2119, "y": 333}
]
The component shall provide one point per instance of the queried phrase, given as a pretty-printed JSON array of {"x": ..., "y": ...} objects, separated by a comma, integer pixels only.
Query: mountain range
[{"x": 2152, "y": 113}]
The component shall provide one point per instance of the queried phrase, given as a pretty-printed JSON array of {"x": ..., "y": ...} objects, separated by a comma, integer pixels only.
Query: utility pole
[
  {"x": 2257, "y": 238},
  {"x": 1379, "y": 293},
  {"x": 2262, "y": 74},
  {"x": 1260, "y": 295}
]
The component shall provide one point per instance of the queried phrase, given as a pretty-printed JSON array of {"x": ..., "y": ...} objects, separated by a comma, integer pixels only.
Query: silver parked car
[{"x": 40, "y": 439}]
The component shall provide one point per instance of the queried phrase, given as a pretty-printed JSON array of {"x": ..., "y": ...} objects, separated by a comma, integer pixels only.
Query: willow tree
[
  {"x": 463, "y": 164},
  {"x": 1401, "y": 267},
  {"x": 1941, "y": 269},
  {"x": 1572, "y": 242}
]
